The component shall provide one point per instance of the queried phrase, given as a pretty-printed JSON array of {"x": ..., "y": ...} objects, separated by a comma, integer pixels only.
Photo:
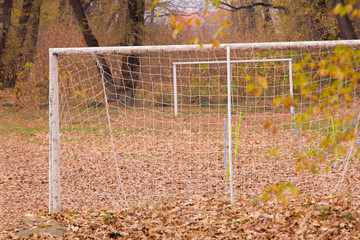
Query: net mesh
[{"x": 123, "y": 143}]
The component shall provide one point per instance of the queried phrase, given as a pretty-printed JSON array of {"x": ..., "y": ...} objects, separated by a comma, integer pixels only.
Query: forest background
[{"x": 30, "y": 27}]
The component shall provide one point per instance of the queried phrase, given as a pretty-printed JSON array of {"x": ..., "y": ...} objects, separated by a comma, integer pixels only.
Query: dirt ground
[
  {"x": 86, "y": 185},
  {"x": 24, "y": 163}
]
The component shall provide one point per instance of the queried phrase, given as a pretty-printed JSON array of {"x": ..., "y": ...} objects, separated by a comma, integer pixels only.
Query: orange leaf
[
  {"x": 267, "y": 124},
  {"x": 273, "y": 130},
  {"x": 154, "y": 3},
  {"x": 216, "y": 44},
  {"x": 197, "y": 22},
  {"x": 223, "y": 34},
  {"x": 288, "y": 101},
  {"x": 257, "y": 91},
  {"x": 225, "y": 25},
  {"x": 277, "y": 101}
]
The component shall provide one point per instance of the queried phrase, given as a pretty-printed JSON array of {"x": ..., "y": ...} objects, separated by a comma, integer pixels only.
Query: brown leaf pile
[
  {"x": 24, "y": 189},
  {"x": 326, "y": 217}
]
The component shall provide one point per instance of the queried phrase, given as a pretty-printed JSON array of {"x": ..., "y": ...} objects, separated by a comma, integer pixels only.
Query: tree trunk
[
  {"x": 125, "y": 93},
  {"x": 24, "y": 19},
  {"x": 63, "y": 11},
  {"x": 345, "y": 25},
  {"x": 250, "y": 17},
  {"x": 91, "y": 41},
  {"x": 80, "y": 16},
  {"x": 34, "y": 31},
  {"x": 6, "y": 6},
  {"x": 267, "y": 15},
  {"x": 236, "y": 26},
  {"x": 134, "y": 28},
  {"x": 317, "y": 20},
  {"x": 18, "y": 61},
  {"x": 131, "y": 63},
  {"x": 346, "y": 28}
]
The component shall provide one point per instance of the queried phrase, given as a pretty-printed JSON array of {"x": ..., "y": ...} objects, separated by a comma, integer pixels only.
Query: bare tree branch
[{"x": 252, "y": 5}]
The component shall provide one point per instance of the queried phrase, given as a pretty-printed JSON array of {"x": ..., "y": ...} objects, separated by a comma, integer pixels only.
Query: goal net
[{"x": 142, "y": 125}]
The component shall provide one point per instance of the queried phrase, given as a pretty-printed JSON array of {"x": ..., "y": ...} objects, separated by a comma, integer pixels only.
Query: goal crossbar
[
  {"x": 233, "y": 46},
  {"x": 234, "y": 61}
]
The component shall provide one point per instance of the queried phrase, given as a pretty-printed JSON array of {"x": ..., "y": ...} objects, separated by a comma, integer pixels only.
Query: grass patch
[
  {"x": 326, "y": 127},
  {"x": 87, "y": 129},
  {"x": 23, "y": 131},
  {"x": 20, "y": 129},
  {"x": 35, "y": 129}
]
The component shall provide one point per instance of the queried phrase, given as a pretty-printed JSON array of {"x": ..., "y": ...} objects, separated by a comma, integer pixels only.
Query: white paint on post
[
  {"x": 235, "y": 61},
  {"x": 291, "y": 85},
  {"x": 229, "y": 124},
  {"x": 292, "y": 109},
  {"x": 175, "y": 90},
  {"x": 54, "y": 141}
]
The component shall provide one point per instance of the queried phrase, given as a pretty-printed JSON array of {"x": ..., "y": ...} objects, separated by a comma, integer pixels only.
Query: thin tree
[
  {"x": 133, "y": 36},
  {"x": 5, "y": 21},
  {"x": 91, "y": 41},
  {"x": 24, "y": 19},
  {"x": 25, "y": 53},
  {"x": 124, "y": 92},
  {"x": 33, "y": 33},
  {"x": 345, "y": 25},
  {"x": 86, "y": 31}
]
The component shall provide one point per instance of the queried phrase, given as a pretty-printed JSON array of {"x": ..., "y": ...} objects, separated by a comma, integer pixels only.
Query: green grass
[
  {"x": 326, "y": 127},
  {"x": 35, "y": 129},
  {"x": 87, "y": 128},
  {"x": 18, "y": 129},
  {"x": 30, "y": 116},
  {"x": 23, "y": 122},
  {"x": 11, "y": 125}
]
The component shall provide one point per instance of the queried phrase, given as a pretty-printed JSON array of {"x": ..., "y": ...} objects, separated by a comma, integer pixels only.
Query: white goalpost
[{"x": 131, "y": 126}]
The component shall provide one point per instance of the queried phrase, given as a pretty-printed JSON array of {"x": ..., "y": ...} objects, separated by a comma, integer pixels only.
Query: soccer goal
[{"x": 131, "y": 126}]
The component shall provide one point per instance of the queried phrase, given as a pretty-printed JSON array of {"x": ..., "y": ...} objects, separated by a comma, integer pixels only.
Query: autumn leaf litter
[
  {"x": 200, "y": 217},
  {"x": 23, "y": 187}
]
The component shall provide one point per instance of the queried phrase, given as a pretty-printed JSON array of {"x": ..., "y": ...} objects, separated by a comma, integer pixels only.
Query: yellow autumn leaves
[
  {"x": 256, "y": 89},
  {"x": 280, "y": 191},
  {"x": 343, "y": 9}
]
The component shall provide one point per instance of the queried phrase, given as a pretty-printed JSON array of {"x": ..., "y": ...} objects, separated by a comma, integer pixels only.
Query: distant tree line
[{"x": 125, "y": 20}]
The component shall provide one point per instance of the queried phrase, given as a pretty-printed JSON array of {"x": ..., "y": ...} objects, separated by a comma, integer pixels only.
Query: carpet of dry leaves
[{"x": 24, "y": 197}]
